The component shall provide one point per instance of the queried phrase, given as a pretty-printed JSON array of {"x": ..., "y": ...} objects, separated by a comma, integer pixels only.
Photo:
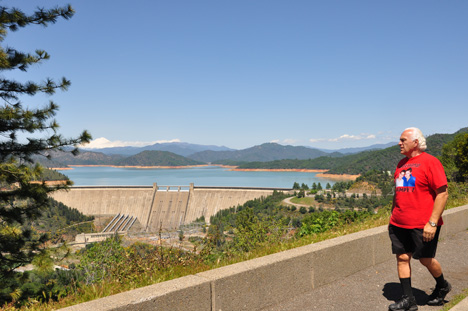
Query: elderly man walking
[{"x": 417, "y": 217}]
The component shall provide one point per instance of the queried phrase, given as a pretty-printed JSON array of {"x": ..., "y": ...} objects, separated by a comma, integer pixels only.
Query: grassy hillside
[{"x": 157, "y": 158}]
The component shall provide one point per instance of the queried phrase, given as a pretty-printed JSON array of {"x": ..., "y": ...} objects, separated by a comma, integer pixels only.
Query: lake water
[{"x": 200, "y": 176}]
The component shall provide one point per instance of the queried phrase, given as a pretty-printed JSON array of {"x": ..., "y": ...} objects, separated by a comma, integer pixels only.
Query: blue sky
[{"x": 326, "y": 74}]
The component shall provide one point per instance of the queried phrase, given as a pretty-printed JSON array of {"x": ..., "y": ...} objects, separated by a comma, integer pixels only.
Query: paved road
[{"x": 376, "y": 287}]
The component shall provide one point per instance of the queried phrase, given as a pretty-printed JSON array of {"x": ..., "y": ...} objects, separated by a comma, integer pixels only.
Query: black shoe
[
  {"x": 404, "y": 304},
  {"x": 438, "y": 295}
]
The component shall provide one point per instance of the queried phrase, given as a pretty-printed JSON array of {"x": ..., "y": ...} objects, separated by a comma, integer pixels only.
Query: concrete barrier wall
[
  {"x": 134, "y": 201},
  {"x": 258, "y": 283},
  {"x": 153, "y": 206},
  {"x": 168, "y": 210},
  {"x": 208, "y": 201}
]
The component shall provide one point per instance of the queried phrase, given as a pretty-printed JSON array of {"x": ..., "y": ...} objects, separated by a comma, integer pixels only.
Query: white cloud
[
  {"x": 317, "y": 140},
  {"x": 103, "y": 142},
  {"x": 287, "y": 141},
  {"x": 290, "y": 141},
  {"x": 344, "y": 137}
]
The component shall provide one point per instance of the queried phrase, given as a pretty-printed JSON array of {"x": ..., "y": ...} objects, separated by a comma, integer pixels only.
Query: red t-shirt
[{"x": 416, "y": 182}]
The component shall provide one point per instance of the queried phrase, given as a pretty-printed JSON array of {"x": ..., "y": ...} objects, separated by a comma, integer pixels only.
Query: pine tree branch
[
  {"x": 14, "y": 59},
  {"x": 15, "y": 18},
  {"x": 10, "y": 89}
]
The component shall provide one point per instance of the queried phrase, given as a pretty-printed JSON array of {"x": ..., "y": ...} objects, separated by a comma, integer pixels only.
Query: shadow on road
[{"x": 392, "y": 291}]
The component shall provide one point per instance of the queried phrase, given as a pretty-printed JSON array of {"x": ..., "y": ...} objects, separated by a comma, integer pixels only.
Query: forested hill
[
  {"x": 382, "y": 160},
  {"x": 261, "y": 153},
  {"x": 145, "y": 158},
  {"x": 351, "y": 164},
  {"x": 157, "y": 158},
  {"x": 63, "y": 159}
]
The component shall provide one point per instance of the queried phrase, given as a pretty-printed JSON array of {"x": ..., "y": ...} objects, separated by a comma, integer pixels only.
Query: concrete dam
[{"x": 166, "y": 207}]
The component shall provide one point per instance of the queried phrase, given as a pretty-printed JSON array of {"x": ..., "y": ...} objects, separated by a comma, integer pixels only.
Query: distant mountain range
[
  {"x": 357, "y": 163},
  {"x": 183, "y": 149},
  {"x": 268, "y": 155},
  {"x": 183, "y": 154},
  {"x": 262, "y": 153},
  {"x": 361, "y": 149},
  {"x": 202, "y": 151}
]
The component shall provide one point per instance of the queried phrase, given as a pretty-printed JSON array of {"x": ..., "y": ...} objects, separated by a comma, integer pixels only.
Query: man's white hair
[{"x": 417, "y": 134}]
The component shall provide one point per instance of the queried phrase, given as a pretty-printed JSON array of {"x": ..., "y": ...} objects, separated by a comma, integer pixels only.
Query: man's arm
[{"x": 437, "y": 210}]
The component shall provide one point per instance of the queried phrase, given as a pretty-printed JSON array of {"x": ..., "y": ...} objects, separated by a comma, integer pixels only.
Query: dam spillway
[{"x": 165, "y": 207}]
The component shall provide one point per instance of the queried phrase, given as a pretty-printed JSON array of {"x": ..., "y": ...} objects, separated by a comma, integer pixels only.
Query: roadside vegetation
[
  {"x": 455, "y": 300},
  {"x": 257, "y": 228},
  {"x": 58, "y": 225}
]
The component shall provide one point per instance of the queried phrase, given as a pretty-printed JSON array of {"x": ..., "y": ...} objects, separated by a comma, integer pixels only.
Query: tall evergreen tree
[{"x": 25, "y": 132}]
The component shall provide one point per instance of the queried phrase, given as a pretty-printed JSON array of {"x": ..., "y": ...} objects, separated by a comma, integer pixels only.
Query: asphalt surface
[{"x": 377, "y": 287}]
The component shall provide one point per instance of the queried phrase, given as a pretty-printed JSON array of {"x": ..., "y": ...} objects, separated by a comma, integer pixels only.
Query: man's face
[
  {"x": 408, "y": 174},
  {"x": 407, "y": 144}
]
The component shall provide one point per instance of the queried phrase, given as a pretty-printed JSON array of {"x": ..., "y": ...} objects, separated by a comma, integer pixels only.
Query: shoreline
[
  {"x": 71, "y": 167},
  {"x": 278, "y": 170},
  {"x": 321, "y": 172},
  {"x": 51, "y": 182}
]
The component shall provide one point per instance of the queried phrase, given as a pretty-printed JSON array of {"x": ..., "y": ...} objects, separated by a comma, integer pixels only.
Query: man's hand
[
  {"x": 429, "y": 232},
  {"x": 439, "y": 205}
]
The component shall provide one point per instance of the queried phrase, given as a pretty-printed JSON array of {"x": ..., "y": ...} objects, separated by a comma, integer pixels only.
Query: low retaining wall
[{"x": 260, "y": 282}]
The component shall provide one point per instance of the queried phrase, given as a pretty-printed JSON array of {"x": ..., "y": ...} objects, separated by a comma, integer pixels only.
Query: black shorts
[{"x": 406, "y": 241}]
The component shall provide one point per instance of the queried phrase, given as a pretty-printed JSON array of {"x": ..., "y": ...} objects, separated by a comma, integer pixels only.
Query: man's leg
[
  {"x": 404, "y": 265},
  {"x": 407, "y": 301},
  {"x": 403, "y": 246},
  {"x": 442, "y": 286},
  {"x": 404, "y": 273},
  {"x": 433, "y": 266}
]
